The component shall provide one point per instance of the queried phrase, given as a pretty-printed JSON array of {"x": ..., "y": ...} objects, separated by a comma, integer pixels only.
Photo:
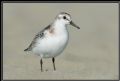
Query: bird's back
[{"x": 39, "y": 36}]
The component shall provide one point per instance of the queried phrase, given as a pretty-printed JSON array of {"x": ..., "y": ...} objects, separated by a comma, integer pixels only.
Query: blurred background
[{"x": 92, "y": 51}]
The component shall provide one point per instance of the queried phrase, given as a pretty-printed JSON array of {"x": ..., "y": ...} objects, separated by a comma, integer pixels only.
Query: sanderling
[{"x": 52, "y": 40}]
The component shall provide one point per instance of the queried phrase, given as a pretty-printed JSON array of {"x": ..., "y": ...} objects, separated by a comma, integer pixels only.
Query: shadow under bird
[{"x": 52, "y": 40}]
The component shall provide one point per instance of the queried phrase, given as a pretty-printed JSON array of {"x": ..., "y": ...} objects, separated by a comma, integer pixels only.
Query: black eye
[{"x": 64, "y": 17}]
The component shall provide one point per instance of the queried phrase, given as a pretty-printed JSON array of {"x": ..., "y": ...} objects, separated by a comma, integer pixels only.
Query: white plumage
[{"x": 52, "y": 40}]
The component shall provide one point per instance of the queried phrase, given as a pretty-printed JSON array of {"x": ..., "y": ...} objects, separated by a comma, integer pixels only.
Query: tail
[{"x": 26, "y": 49}]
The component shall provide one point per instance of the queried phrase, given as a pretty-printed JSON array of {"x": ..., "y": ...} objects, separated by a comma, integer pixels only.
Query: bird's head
[{"x": 65, "y": 18}]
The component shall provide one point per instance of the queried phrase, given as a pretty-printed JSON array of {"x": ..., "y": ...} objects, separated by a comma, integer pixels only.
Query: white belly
[{"x": 51, "y": 46}]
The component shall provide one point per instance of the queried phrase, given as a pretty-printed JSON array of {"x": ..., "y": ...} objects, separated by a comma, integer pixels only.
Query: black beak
[{"x": 73, "y": 24}]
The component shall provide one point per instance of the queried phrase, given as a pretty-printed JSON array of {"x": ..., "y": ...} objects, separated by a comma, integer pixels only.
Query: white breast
[{"x": 52, "y": 45}]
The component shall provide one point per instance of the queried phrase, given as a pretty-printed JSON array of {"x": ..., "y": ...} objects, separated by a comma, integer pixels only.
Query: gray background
[{"x": 92, "y": 51}]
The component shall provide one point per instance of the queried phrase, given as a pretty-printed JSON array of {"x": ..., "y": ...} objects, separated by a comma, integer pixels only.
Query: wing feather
[{"x": 38, "y": 36}]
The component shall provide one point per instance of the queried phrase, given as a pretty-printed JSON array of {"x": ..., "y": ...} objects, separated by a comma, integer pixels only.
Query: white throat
[{"x": 60, "y": 27}]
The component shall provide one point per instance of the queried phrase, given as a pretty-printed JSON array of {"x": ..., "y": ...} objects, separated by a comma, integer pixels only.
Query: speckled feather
[{"x": 38, "y": 36}]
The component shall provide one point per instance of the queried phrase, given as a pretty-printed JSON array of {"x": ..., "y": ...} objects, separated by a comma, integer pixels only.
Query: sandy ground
[{"x": 92, "y": 51}]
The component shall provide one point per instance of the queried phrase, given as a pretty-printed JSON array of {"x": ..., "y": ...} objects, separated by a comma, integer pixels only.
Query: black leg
[
  {"x": 41, "y": 63},
  {"x": 53, "y": 60}
]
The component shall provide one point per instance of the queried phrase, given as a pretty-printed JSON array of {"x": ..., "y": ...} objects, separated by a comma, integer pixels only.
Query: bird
[{"x": 53, "y": 39}]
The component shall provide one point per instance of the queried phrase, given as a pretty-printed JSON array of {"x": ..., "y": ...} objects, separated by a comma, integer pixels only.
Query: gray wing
[{"x": 39, "y": 35}]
